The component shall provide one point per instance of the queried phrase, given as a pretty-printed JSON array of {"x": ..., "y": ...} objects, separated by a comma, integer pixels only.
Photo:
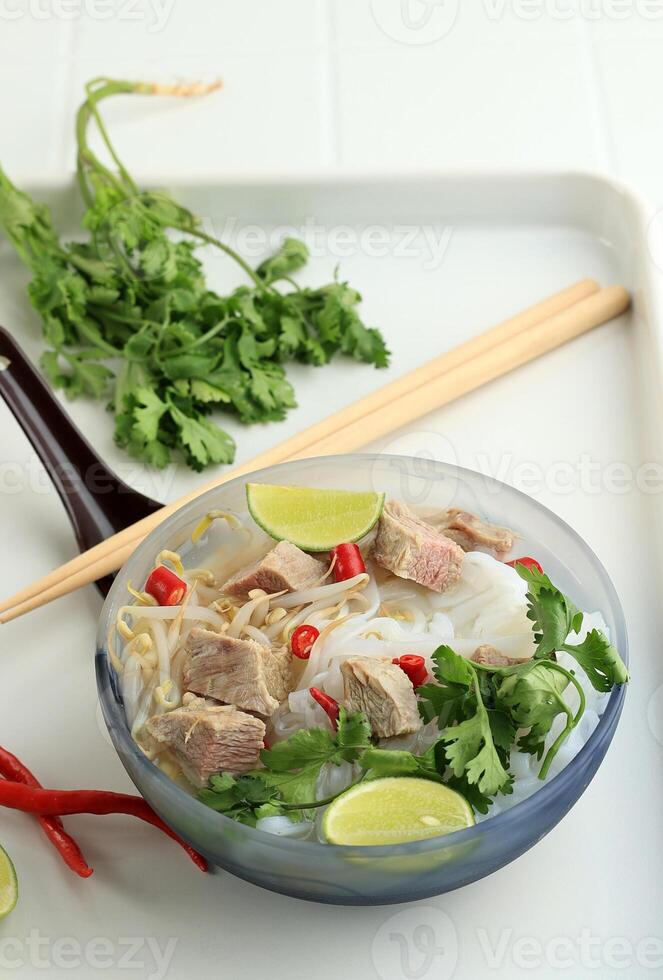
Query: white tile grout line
[
  {"x": 66, "y": 97},
  {"x": 329, "y": 122},
  {"x": 603, "y": 136},
  {"x": 65, "y": 45}
]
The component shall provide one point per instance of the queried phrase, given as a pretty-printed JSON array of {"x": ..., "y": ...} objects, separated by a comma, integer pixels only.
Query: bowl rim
[{"x": 520, "y": 813}]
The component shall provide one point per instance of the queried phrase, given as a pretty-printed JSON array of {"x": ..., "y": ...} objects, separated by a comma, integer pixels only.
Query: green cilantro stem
[
  {"x": 89, "y": 161},
  {"x": 211, "y": 240},
  {"x": 318, "y": 803},
  {"x": 572, "y": 720},
  {"x": 96, "y": 339}
]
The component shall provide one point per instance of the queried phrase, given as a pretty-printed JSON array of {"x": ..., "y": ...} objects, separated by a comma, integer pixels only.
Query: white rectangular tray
[{"x": 438, "y": 259}]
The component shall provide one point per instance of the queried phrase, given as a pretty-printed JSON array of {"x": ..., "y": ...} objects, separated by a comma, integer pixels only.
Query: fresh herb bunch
[
  {"x": 483, "y": 713},
  {"x": 135, "y": 296}
]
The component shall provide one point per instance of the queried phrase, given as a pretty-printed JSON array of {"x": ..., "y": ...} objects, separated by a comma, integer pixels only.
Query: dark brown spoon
[{"x": 97, "y": 502}]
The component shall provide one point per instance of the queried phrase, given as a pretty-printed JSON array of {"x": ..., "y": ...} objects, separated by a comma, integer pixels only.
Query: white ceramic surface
[{"x": 574, "y": 430}]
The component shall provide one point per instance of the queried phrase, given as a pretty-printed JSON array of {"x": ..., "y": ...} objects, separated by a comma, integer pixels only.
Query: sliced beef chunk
[
  {"x": 471, "y": 533},
  {"x": 412, "y": 549},
  {"x": 285, "y": 568},
  {"x": 240, "y": 672},
  {"x": 491, "y": 656},
  {"x": 383, "y": 692},
  {"x": 209, "y": 738}
]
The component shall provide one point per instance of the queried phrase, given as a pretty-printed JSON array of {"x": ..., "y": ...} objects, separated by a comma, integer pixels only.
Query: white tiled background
[{"x": 322, "y": 83}]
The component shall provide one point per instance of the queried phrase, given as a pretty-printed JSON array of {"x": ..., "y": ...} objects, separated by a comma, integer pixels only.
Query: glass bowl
[{"x": 405, "y": 872}]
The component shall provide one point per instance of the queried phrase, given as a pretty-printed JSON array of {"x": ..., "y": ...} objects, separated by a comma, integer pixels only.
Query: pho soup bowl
[{"x": 379, "y": 874}]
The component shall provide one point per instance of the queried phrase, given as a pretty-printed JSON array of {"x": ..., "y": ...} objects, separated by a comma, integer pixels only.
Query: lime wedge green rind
[
  {"x": 395, "y": 810},
  {"x": 8, "y": 885},
  {"x": 314, "y": 520}
]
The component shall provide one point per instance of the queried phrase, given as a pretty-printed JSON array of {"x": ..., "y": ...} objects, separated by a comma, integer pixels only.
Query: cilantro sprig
[
  {"x": 485, "y": 711},
  {"x": 287, "y": 783},
  {"x": 554, "y": 616},
  {"x": 128, "y": 315}
]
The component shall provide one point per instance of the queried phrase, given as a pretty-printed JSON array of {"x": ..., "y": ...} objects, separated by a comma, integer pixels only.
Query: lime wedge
[
  {"x": 315, "y": 520},
  {"x": 8, "y": 885},
  {"x": 395, "y": 810}
]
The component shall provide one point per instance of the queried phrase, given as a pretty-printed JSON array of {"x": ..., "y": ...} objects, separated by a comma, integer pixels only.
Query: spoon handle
[{"x": 97, "y": 502}]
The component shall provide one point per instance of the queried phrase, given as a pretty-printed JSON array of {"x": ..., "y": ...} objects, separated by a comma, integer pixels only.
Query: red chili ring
[{"x": 302, "y": 640}]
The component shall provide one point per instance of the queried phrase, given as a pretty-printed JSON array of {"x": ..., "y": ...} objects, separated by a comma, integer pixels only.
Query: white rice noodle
[
  {"x": 283, "y": 826},
  {"x": 334, "y": 779}
]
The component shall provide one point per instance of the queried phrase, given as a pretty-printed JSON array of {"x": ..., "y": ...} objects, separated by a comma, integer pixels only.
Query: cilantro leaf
[
  {"x": 449, "y": 699},
  {"x": 78, "y": 375},
  {"x": 291, "y": 256},
  {"x": 554, "y": 616},
  {"x": 532, "y": 694},
  {"x": 202, "y": 440},
  {"x": 148, "y": 414},
  {"x": 481, "y": 802},
  {"x": 471, "y": 751},
  {"x": 599, "y": 659}
]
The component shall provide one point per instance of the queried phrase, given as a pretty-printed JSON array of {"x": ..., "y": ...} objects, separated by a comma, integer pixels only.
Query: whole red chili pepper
[
  {"x": 414, "y": 666},
  {"x": 349, "y": 561},
  {"x": 13, "y": 769},
  {"x": 60, "y": 802},
  {"x": 329, "y": 705},
  {"x": 165, "y": 586},
  {"x": 529, "y": 563}
]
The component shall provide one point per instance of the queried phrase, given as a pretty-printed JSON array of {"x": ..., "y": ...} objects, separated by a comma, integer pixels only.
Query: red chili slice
[
  {"x": 529, "y": 563},
  {"x": 328, "y": 705},
  {"x": 414, "y": 666},
  {"x": 165, "y": 586},
  {"x": 302, "y": 641},
  {"x": 349, "y": 561}
]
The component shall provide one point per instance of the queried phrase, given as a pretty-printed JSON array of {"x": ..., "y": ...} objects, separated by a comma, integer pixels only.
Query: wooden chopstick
[
  {"x": 522, "y": 338},
  {"x": 131, "y": 535}
]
